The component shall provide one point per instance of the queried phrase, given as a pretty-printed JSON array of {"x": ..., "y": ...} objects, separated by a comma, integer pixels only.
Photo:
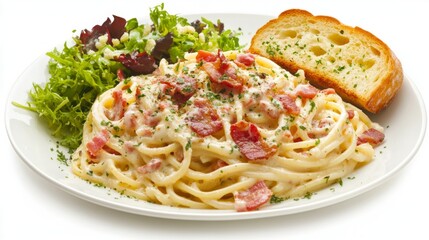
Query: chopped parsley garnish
[
  {"x": 275, "y": 199},
  {"x": 61, "y": 157},
  {"x": 188, "y": 145}
]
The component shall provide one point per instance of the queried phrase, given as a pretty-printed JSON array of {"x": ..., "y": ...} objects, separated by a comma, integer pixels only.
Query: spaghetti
[{"x": 222, "y": 131}]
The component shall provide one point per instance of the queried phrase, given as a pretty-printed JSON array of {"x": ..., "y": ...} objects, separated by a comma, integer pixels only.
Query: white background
[{"x": 32, "y": 207}]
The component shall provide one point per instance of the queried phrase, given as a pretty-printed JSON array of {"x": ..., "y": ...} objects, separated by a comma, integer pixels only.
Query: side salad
[{"x": 111, "y": 52}]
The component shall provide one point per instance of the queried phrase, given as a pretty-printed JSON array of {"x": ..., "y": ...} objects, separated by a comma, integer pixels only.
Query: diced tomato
[
  {"x": 252, "y": 198},
  {"x": 250, "y": 142},
  {"x": 204, "y": 120}
]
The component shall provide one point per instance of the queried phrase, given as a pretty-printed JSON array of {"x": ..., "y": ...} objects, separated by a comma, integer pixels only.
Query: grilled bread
[{"x": 359, "y": 66}]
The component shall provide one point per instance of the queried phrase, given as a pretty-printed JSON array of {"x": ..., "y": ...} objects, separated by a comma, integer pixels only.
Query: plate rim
[{"x": 211, "y": 215}]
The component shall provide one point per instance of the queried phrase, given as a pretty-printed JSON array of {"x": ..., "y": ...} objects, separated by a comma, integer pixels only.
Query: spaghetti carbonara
[{"x": 222, "y": 131}]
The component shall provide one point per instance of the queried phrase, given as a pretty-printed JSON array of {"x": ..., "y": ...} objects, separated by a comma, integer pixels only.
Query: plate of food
[{"x": 217, "y": 117}]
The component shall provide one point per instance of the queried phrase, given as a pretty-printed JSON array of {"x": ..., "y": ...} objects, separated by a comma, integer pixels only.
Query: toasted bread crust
[{"x": 377, "y": 86}]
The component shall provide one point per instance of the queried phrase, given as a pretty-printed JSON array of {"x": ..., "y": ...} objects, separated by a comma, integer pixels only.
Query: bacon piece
[
  {"x": 306, "y": 91},
  {"x": 204, "y": 120},
  {"x": 246, "y": 58},
  {"x": 289, "y": 104},
  {"x": 97, "y": 143},
  {"x": 205, "y": 56},
  {"x": 186, "y": 85},
  {"x": 271, "y": 110},
  {"x": 218, "y": 164},
  {"x": 320, "y": 128},
  {"x": 351, "y": 114},
  {"x": 131, "y": 118},
  {"x": 225, "y": 78},
  {"x": 180, "y": 88},
  {"x": 150, "y": 119},
  {"x": 120, "y": 74},
  {"x": 371, "y": 136},
  {"x": 144, "y": 131},
  {"x": 167, "y": 87},
  {"x": 150, "y": 167},
  {"x": 250, "y": 142},
  {"x": 118, "y": 108},
  {"x": 130, "y": 151},
  {"x": 328, "y": 91},
  {"x": 110, "y": 150},
  {"x": 220, "y": 71},
  {"x": 252, "y": 198}
]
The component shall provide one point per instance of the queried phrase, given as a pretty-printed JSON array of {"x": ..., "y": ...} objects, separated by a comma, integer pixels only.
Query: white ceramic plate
[{"x": 404, "y": 119}]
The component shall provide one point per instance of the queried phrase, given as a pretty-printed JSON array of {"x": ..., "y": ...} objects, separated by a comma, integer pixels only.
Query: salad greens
[{"x": 103, "y": 56}]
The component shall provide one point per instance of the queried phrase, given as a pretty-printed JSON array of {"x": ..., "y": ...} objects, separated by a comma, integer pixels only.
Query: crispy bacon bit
[
  {"x": 113, "y": 29},
  {"x": 218, "y": 164},
  {"x": 252, "y": 198},
  {"x": 150, "y": 167},
  {"x": 289, "y": 104},
  {"x": 220, "y": 71},
  {"x": 144, "y": 131},
  {"x": 97, "y": 143},
  {"x": 130, "y": 151},
  {"x": 306, "y": 91},
  {"x": 371, "y": 136},
  {"x": 250, "y": 142},
  {"x": 328, "y": 91},
  {"x": 180, "y": 88},
  {"x": 150, "y": 119},
  {"x": 131, "y": 118},
  {"x": 138, "y": 62},
  {"x": 320, "y": 128},
  {"x": 138, "y": 94},
  {"x": 120, "y": 104},
  {"x": 203, "y": 119},
  {"x": 110, "y": 150},
  {"x": 246, "y": 58},
  {"x": 351, "y": 114},
  {"x": 120, "y": 74},
  {"x": 205, "y": 56},
  {"x": 271, "y": 110},
  {"x": 118, "y": 108},
  {"x": 186, "y": 85}
]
